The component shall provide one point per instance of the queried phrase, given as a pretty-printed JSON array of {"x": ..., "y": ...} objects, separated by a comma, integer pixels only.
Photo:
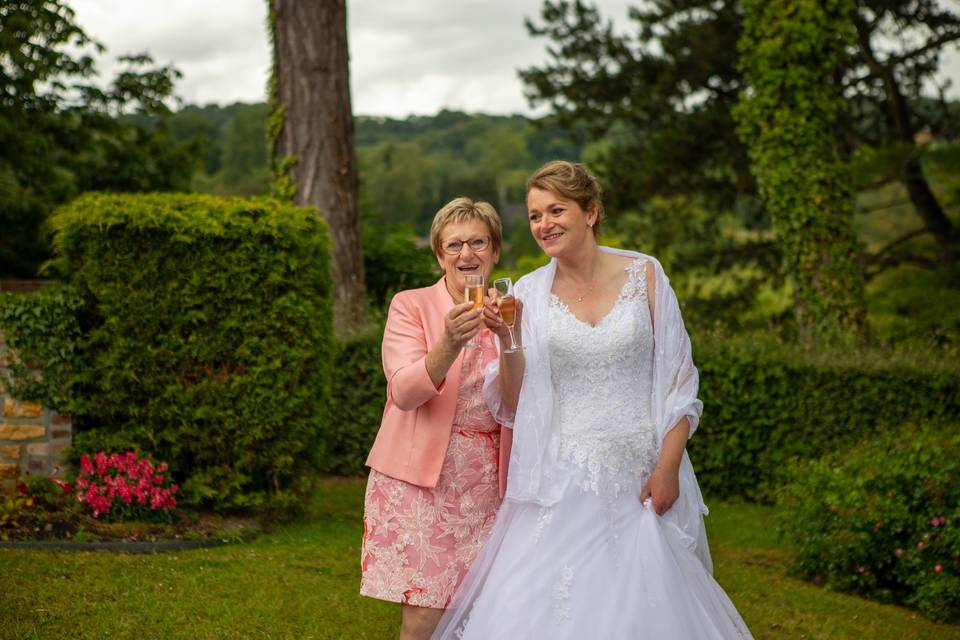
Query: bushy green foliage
[
  {"x": 359, "y": 393},
  {"x": 41, "y": 331},
  {"x": 393, "y": 262},
  {"x": 207, "y": 338},
  {"x": 766, "y": 403},
  {"x": 788, "y": 117},
  {"x": 60, "y": 131},
  {"x": 883, "y": 519}
]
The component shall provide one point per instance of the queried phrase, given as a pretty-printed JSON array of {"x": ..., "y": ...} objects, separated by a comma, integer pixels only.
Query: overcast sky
[{"x": 407, "y": 56}]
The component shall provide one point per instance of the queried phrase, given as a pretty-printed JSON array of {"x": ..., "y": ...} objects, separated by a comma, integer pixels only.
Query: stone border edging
[{"x": 160, "y": 546}]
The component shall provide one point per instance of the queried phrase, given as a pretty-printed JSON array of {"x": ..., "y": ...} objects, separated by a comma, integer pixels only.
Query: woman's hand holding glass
[
  {"x": 502, "y": 315},
  {"x": 462, "y": 324}
]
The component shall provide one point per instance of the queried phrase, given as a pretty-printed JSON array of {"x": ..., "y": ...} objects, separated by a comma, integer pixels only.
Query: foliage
[
  {"x": 915, "y": 306},
  {"x": 787, "y": 116},
  {"x": 883, "y": 520},
  {"x": 359, "y": 393},
  {"x": 654, "y": 97},
  {"x": 61, "y": 134},
  {"x": 766, "y": 403},
  {"x": 42, "y": 331},
  {"x": 392, "y": 259},
  {"x": 206, "y": 340},
  {"x": 12, "y": 508},
  {"x": 125, "y": 486},
  {"x": 408, "y": 167}
]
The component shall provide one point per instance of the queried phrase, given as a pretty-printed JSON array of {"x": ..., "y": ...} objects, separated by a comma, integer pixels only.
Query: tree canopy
[{"x": 62, "y": 133}]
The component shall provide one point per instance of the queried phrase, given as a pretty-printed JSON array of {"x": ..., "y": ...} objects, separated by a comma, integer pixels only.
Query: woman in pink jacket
[{"x": 436, "y": 475}]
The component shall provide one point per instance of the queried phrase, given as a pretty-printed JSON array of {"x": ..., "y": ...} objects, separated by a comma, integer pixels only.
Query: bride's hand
[
  {"x": 663, "y": 488},
  {"x": 492, "y": 319}
]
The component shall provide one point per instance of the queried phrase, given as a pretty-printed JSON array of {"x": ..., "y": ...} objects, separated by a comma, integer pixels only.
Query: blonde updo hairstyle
[
  {"x": 464, "y": 209},
  {"x": 571, "y": 181}
]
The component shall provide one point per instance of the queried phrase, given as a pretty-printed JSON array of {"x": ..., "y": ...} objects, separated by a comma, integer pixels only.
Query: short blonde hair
[
  {"x": 573, "y": 181},
  {"x": 463, "y": 209}
]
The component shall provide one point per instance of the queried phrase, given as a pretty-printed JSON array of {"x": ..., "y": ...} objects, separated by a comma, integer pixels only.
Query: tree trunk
[
  {"x": 311, "y": 94},
  {"x": 899, "y": 116}
]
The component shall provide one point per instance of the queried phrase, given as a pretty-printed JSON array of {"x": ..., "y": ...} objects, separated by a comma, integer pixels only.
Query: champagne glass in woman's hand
[
  {"x": 474, "y": 294},
  {"x": 507, "y": 305}
]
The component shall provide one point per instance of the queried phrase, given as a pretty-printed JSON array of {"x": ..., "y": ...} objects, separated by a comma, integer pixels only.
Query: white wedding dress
[{"x": 597, "y": 563}]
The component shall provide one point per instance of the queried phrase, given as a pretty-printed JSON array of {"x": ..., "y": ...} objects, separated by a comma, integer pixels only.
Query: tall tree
[
  {"x": 793, "y": 53},
  {"x": 311, "y": 125}
]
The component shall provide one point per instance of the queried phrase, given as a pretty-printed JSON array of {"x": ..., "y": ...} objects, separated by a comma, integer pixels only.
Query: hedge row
[
  {"x": 206, "y": 339},
  {"x": 765, "y": 404}
]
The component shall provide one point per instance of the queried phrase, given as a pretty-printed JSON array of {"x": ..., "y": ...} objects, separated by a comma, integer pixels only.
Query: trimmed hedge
[
  {"x": 882, "y": 519},
  {"x": 359, "y": 393},
  {"x": 207, "y": 339},
  {"x": 766, "y": 403}
]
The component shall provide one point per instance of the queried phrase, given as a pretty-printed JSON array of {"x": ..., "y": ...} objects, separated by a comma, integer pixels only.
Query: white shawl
[{"x": 533, "y": 471}]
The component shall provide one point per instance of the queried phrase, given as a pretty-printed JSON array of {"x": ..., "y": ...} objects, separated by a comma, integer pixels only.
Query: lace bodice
[{"x": 602, "y": 377}]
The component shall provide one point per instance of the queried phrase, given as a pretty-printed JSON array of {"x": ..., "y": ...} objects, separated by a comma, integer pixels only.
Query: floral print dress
[{"x": 419, "y": 542}]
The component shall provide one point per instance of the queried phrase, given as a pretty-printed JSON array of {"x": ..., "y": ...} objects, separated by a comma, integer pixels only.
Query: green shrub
[
  {"x": 359, "y": 393},
  {"x": 882, "y": 519},
  {"x": 42, "y": 332},
  {"x": 766, "y": 403},
  {"x": 393, "y": 262},
  {"x": 206, "y": 339}
]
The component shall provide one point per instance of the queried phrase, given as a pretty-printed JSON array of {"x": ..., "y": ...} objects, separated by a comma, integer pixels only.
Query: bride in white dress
[{"x": 601, "y": 531}]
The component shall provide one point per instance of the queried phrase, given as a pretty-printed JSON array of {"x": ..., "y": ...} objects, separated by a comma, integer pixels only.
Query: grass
[{"x": 301, "y": 582}]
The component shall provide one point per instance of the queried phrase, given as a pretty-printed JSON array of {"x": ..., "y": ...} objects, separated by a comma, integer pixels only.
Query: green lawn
[{"x": 301, "y": 582}]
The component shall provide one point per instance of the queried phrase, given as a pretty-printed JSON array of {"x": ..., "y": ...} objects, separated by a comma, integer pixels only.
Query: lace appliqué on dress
[
  {"x": 561, "y": 594},
  {"x": 602, "y": 376}
]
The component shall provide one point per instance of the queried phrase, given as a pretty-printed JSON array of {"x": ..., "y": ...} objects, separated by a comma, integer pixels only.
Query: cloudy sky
[{"x": 407, "y": 56}]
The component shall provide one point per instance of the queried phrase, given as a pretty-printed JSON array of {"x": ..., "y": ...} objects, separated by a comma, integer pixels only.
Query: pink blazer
[{"x": 418, "y": 417}]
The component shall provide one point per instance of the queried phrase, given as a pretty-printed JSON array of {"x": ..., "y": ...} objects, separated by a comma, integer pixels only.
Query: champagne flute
[
  {"x": 474, "y": 293},
  {"x": 507, "y": 305}
]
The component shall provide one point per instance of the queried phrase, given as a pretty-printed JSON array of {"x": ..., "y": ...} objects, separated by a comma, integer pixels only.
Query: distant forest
[{"x": 408, "y": 167}]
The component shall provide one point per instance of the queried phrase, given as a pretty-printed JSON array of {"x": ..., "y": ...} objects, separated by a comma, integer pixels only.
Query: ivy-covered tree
[
  {"x": 793, "y": 54},
  {"x": 61, "y": 133}
]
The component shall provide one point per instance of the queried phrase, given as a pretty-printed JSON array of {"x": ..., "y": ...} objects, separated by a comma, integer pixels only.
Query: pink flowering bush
[
  {"x": 882, "y": 519},
  {"x": 123, "y": 486}
]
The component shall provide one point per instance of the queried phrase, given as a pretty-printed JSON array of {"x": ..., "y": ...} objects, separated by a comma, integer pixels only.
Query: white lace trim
[{"x": 543, "y": 519}]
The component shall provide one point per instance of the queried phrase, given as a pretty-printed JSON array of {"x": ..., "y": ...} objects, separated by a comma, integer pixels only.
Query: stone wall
[{"x": 32, "y": 437}]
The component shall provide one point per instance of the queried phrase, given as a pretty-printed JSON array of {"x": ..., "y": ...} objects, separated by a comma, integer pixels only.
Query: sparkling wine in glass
[
  {"x": 507, "y": 305},
  {"x": 474, "y": 293}
]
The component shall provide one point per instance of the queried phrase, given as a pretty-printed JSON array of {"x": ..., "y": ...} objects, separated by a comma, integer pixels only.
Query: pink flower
[
  {"x": 935, "y": 522},
  {"x": 898, "y": 552},
  {"x": 861, "y": 570},
  {"x": 938, "y": 568},
  {"x": 921, "y": 545}
]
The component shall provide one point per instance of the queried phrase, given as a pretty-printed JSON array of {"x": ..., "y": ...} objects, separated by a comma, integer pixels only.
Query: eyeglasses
[{"x": 454, "y": 247}]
